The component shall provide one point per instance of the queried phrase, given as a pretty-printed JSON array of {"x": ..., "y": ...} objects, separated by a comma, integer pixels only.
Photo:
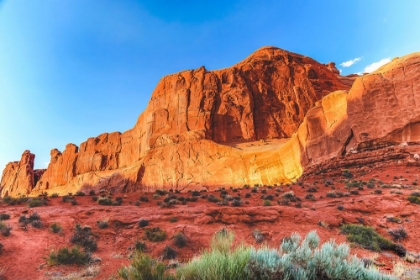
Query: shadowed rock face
[{"x": 209, "y": 128}]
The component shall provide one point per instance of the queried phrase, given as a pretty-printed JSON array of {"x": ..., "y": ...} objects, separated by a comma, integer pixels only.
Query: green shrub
[
  {"x": 5, "y": 229},
  {"x": 140, "y": 246},
  {"x": 168, "y": 253},
  {"x": 83, "y": 237},
  {"x": 105, "y": 201},
  {"x": 68, "y": 256},
  {"x": 4, "y": 216},
  {"x": 267, "y": 203},
  {"x": 144, "y": 268},
  {"x": 180, "y": 239},
  {"x": 414, "y": 199},
  {"x": 143, "y": 223},
  {"x": 56, "y": 228},
  {"x": 54, "y": 195},
  {"x": 102, "y": 224},
  {"x": 36, "y": 202},
  {"x": 220, "y": 262},
  {"x": 298, "y": 259},
  {"x": 173, "y": 219},
  {"x": 155, "y": 234},
  {"x": 80, "y": 193},
  {"x": 369, "y": 239}
]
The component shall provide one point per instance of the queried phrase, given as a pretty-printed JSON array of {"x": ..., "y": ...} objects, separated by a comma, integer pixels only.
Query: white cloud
[
  {"x": 350, "y": 62},
  {"x": 372, "y": 67}
]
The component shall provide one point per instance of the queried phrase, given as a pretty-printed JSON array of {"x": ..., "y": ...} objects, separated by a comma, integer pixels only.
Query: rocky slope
[{"x": 209, "y": 128}]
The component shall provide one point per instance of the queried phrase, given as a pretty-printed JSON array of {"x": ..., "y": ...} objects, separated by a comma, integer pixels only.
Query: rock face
[
  {"x": 20, "y": 176},
  {"x": 209, "y": 128}
]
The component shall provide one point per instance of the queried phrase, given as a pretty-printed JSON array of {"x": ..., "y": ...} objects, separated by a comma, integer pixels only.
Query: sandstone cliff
[{"x": 209, "y": 128}]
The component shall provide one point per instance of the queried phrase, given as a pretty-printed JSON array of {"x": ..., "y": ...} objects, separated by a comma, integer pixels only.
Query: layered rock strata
[{"x": 257, "y": 122}]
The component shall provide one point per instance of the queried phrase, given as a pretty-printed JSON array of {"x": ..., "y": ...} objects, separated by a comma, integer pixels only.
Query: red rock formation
[
  {"x": 208, "y": 128},
  {"x": 19, "y": 177}
]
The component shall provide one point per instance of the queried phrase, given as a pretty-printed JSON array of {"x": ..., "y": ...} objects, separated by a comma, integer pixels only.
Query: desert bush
[
  {"x": 180, "y": 239},
  {"x": 82, "y": 236},
  {"x": 236, "y": 203},
  {"x": 289, "y": 195},
  {"x": 144, "y": 198},
  {"x": 155, "y": 234},
  {"x": 347, "y": 174},
  {"x": 80, "y": 193},
  {"x": 34, "y": 217},
  {"x": 36, "y": 202},
  {"x": 140, "y": 246},
  {"x": 340, "y": 207},
  {"x": 377, "y": 191},
  {"x": 144, "y": 268},
  {"x": 354, "y": 192},
  {"x": 311, "y": 190},
  {"x": 168, "y": 253},
  {"x": 68, "y": 256},
  {"x": 195, "y": 193},
  {"x": 173, "y": 219},
  {"x": 298, "y": 259},
  {"x": 143, "y": 223},
  {"x": 398, "y": 233},
  {"x": 267, "y": 203},
  {"x": 258, "y": 236},
  {"x": 102, "y": 224},
  {"x": 310, "y": 196},
  {"x": 55, "y": 228},
  {"x": 4, "y": 216},
  {"x": 105, "y": 201},
  {"x": 92, "y": 192},
  {"x": 368, "y": 238},
  {"x": 54, "y": 195},
  {"x": 37, "y": 224},
  {"x": 219, "y": 262},
  {"x": 414, "y": 199},
  {"x": 5, "y": 229}
]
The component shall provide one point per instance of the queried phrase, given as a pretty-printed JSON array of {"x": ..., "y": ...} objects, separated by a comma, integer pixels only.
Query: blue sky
[{"x": 73, "y": 69}]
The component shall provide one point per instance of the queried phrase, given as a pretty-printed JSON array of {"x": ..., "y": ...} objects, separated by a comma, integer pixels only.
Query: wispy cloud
[
  {"x": 372, "y": 67},
  {"x": 350, "y": 62}
]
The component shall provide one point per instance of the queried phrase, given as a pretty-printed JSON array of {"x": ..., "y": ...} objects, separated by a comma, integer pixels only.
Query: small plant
[
  {"x": 54, "y": 195},
  {"x": 398, "y": 233},
  {"x": 354, "y": 192},
  {"x": 340, "y": 207},
  {"x": 82, "y": 236},
  {"x": 144, "y": 198},
  {"x": 140, "y": 246},
  {"x": 80, "y": 193},
  {"x": 180, "y": 239},
  {"x": 332, "y": 194},
  {"x": 173, "y": 219},
  {"x": 92, "y": 192},
  {"x": 68, "y": 256},
  {"x": 155, "y": 234},
  {"x": 37, "y": 224},
  {"x": 105, "y": 201},
  {"x": 369, "y": 239},
  {"x": 267, "y": 203},
  {"x": 4, "y": 216},
  {"x": 236, "y": 203},
  {"x": 414, "y": 199},
  {"x": 168, "y": 253},
  {"x": 5, "y": 229},
  {"x": 347, "y": 174},
  {"x": 144, "y": 268},
  {"x": 36, "y": 202},
  {"x": 393, "y": 219},
  {"x": 289, "y": 195},
  {"x": 56, "y": 228},
  {"x": 312, "y": 190},
  {"x": 377, "y": 191},
  {"x": 102, "y": 224},
  {"x": 258, "y": 236},
  {"x": 143, "y": 223}
]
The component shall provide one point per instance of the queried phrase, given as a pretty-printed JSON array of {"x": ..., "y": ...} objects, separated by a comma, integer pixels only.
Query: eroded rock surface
[{"x": 203, "y": 129}]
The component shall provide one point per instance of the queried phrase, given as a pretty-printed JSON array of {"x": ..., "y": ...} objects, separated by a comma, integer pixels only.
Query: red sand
[{"x": 25, "y": 251}]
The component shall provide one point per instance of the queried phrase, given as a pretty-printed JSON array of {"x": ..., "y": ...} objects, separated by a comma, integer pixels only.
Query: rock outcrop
[
  {"x": 262, "y": 121},
  {"x": 19, "y": 177}
]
